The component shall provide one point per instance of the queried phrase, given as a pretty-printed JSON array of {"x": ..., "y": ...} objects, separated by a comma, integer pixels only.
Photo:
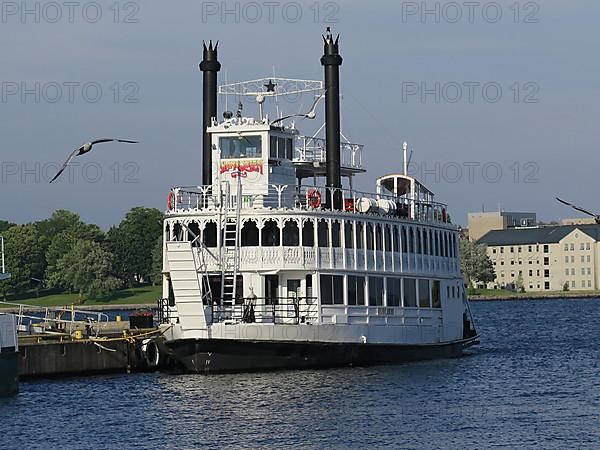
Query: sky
[{"x": 499, "y": 101}]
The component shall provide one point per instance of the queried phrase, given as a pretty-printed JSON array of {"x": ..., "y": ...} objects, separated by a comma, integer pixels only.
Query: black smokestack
[
  {"x": 332, "y": 61},
  {"x": 209, "y": 66}
]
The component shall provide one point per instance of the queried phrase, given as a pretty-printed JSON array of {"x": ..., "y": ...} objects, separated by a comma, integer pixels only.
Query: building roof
[{"x": 538, "y": 235}]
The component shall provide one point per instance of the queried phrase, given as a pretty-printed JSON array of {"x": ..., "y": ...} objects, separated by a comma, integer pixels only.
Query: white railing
[
  {"x": 312, "y": 149},
  {"x": 48, "y": 318},
  {"x": 323, "y": 258},
  {"x": 313, "y": 198}
]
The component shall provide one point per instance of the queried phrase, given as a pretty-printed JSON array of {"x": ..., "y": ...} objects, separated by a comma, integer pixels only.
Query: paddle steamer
[{"x": 276, "y": 261}]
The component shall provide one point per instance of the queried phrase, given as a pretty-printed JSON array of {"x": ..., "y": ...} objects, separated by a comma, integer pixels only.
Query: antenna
[{"x": 405, "y": 152}]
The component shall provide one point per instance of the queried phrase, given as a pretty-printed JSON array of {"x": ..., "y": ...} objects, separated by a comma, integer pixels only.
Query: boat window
[
  {"x": 419, "y": 241},
  {"x": 348, "y": 235},
  {"x": 437, "y": 243},
  {"x": 370, "y": 237},
  {"x": 250, "y": 234},
  {"x": 388, "y": 239},
  {"x": 431, "y": 244},
  {"x": 425, "y": 242},
  {"x": 167, "y": 233},
  {"x": 308, "y": 234},
  {"x": 289, "y": 148},
  {"x": 375, "y": 291},
  {"x": 273, "y": 147},
  {"x": 209, "y": 236},
  {"x": 336, "y": 234},
  {"x": 270, "y": 234},
  {"x": 404, "y": 240},
  {"x": 393, "y": 291},
  {"x": 291, "y": 234},
  {"x": 410, "y": 292},
  {"x": 177, "y": 232},
  {"x": 332, "y": 290},
  {"x": 424, "y": 294},
  {"x": 396, "y": 240},
  {"x": 379, "y": 236},
  {"x": 436, "y": 300},
  {"x": 411, "y": 240},
  {"x": 194, "y": 233},
  {"x": 323, "y": 233},
  {"x": 309, "y": 289},
  {"x": 356, "y": 290},
  {"x": 359, "y": 235},
  {"x": 241, "y": 147}
]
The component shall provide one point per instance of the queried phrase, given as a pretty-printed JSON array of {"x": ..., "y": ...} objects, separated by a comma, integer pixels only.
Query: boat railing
[
  {"x": 312, "y": 150},
  {"x": 266, "y": 310},
  {"x": 163, "y": 314},
  {"x": 311, "y": 198},
  {"x": 35, "y": 319}
]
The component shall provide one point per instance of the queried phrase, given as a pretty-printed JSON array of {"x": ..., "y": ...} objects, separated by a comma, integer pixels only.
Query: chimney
[
  {"x": 209, "y": 66},
  {"x": 332, "y": 61}
]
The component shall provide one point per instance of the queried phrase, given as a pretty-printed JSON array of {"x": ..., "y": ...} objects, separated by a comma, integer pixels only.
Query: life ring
[
  {"x": 314, "y": 198},
  {"x": 150, "y": 352},
  {"x": 170, "y": 201}
]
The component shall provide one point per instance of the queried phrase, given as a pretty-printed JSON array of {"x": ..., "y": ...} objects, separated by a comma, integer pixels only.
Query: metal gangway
[{"x": 33, "y": 319}]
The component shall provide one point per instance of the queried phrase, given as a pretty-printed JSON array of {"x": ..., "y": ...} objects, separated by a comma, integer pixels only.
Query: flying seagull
[
  {"x": 85, "y": 148},
  {"x": 311, "y": 114},
  {"x": 585, "y": 211}
]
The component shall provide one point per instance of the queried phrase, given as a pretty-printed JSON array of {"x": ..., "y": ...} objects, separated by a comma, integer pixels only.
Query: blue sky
[{"x": 542, "y": 149}]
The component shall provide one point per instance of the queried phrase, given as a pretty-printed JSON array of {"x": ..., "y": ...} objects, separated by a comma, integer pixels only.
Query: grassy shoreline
[
  {"x": 141, "y": 296},
  {"x": 499, "y": 295}
]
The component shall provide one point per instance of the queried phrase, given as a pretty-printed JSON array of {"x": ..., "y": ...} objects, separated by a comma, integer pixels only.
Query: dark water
[{"x": 534, "y": 382}]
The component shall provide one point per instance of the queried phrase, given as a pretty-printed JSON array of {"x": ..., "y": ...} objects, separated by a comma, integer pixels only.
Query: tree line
[{"x": 65, "y": 254}]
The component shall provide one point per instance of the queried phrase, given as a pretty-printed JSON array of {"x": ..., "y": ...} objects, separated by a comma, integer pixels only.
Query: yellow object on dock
[
  {"x": 117, "y": 318},
  {"x": 78, "y": 334}
]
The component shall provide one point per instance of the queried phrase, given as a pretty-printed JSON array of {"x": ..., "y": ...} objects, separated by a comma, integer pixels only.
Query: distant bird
[
  {"x": 585, "y": 211},
  {"x": 85, "y": 148},
  {"x": 311, "y": 114}
]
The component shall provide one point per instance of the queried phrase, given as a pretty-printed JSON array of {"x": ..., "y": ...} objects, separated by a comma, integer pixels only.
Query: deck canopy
[{"x": 400, "y": 185}]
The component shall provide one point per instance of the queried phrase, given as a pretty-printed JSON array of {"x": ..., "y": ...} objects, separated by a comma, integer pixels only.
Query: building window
[
  {"x": 567, "y": 259},
  {"x": 512, "y": 249},
  {"x": 572, "y": 284},
  {"x": 494, "y": 251},
  {"x": 332, "y": 290},
  {"x": 589, "y": 283},
  {"x": 547, "y": 285},
  {"x": 356, "y": 290},
  {"x": 502, "y": 273},
  {"x": 424, "y": 294},
  {"x": 582, "y": 246},
  {"x": 572, "y": 259},
  {"x": 587, "y": 246},
  {"x": 588, "y": 258},
  {"x": 582, "y": 258},
  {"x": 410, "y": 292},
  {"x": 529, "y": 249},
  {"x": 547, "y": 273},
  {"x": 589, "y": 270},
  {"x": 573, "y": 271},
  {"x": 546, "y": 249},
  {"x": 566, "y": 271},
  {"x": 393, "y": 291},
  {"x": 583, "y": 271},
  {"x": 531, "y": 273},
  {"x": 501, "y": 249},
  {"x": 546, "y": 261},
  {"x": 572, "y": 246},
  {"x": 566, "y": 247},
  {"x": 375, "y": 291},
  {"x": 582, "y": 283}
]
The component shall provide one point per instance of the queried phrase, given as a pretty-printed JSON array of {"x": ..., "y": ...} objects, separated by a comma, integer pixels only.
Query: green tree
[
  {"x": 4, "y": 225},
  {"x": 519, "y": 284},
  {"x": 157, "y": 262},
  {"x": 24, "y": 257},
  {"x": 87, "y": 269},
  {"x": 132, "y": 243},
  {"x": 59, "y": 221},
  {"x": 475, "y": 264}
]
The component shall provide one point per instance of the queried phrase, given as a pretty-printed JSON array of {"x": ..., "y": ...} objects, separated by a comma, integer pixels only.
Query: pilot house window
[
  {"x": 240, "y": 147},
  {"x": 281, "y": 147}
]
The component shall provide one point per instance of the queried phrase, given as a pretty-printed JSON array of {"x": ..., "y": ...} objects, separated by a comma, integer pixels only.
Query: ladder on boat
[{"x": 230, "y": 245}]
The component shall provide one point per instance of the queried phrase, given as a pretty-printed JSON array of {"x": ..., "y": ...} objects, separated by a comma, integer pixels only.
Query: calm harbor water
[{"x": 533, "y": 382}]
